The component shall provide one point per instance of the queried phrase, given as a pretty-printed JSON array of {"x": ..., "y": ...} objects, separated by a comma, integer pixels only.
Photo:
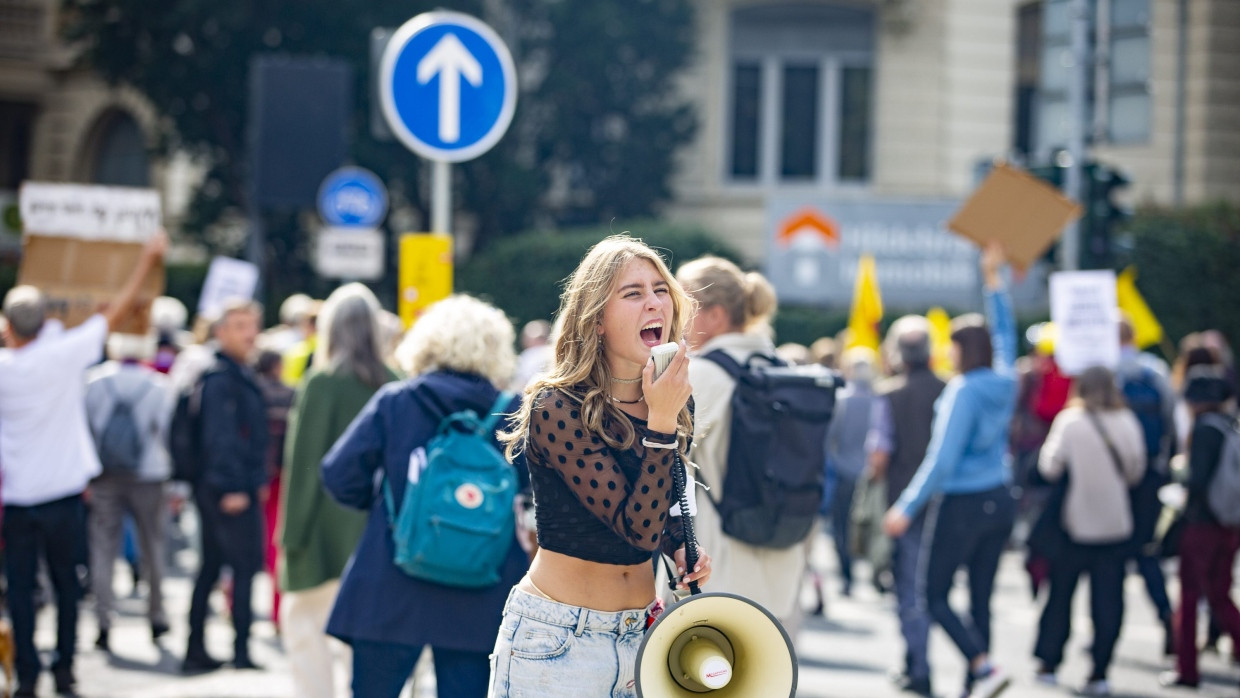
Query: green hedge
[
  {"x": 1188, "y": 264},
  {"x": 524, "y": 274}
]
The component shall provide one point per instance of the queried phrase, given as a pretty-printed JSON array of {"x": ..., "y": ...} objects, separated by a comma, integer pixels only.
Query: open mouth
[{"x": 652, "y": 333}]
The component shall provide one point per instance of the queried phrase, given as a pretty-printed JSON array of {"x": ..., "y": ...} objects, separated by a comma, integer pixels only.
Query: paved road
[{"x": 845, "y": 654}]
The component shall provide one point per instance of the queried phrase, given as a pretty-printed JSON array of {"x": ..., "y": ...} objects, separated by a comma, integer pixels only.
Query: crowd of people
[{"x": 296, "y": 445}]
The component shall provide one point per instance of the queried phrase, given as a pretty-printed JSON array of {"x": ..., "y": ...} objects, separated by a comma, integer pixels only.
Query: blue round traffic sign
[
  {"x": 447, "y": 86},
  {"x": 353, "y": 197}
]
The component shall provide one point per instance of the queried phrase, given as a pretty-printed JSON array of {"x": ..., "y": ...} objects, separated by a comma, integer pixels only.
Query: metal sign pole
[
  {"x": 1078, "y": 113},
  {"x": 441, "y": 197}
]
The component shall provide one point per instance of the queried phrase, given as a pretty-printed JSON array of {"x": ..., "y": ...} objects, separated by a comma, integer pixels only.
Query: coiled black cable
[{"x": 679, "y": 490}]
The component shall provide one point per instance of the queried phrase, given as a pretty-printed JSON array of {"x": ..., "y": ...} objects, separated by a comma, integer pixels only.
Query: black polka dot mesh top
[{"x": 594, "y": 502}]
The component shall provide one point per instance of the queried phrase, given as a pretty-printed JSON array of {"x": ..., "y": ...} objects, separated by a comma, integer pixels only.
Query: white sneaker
[
  {"x": 992, "y": 684},
  {"x": 1097, "y": 687},
  {"x": 1046, "y": 678}
]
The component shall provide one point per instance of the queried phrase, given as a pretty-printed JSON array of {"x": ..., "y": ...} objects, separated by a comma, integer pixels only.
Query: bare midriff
[{"x": 592, "y": 585}]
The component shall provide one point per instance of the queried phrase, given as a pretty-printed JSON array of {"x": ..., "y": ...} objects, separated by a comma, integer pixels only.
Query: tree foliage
[
  {"x": 594, "y": 136},
  {"x": 524, "y": 274},
  {"x": 1187, "y": 260}
]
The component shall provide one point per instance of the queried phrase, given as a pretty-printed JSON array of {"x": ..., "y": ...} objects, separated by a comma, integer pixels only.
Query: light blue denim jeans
[{"x": 547, "y": 649}]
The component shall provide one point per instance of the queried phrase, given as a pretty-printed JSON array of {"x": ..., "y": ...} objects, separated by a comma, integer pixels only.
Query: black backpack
[
  {"x": 1146, "y": 402},
  {"x": 185, "y": 433},
  {"x": 774, "y": 482},
  {"x": 121, "y": 442}
]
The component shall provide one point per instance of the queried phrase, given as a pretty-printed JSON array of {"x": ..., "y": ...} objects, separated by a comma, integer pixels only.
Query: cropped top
[{"x": 594, "y": 502}]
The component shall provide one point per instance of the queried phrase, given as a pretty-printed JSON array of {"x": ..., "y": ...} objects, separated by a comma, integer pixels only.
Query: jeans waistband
[{"x": 580, "y": 619}]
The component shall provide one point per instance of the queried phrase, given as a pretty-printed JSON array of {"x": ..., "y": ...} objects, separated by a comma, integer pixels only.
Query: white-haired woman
[
  {"x": 316, "y": 535},
  {"x": 600, "y": 435},
  {"x": 456, "y": 354}
]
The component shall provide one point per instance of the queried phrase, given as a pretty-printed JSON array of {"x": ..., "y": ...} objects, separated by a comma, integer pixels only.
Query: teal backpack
[{"x": 455, "y": 523}]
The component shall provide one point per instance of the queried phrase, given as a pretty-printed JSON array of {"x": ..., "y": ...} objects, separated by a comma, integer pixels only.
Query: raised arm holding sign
[{"x": 118, "y": 309}]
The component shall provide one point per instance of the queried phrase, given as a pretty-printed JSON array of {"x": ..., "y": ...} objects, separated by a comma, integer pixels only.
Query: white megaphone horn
[{"x": 719, "y": 644}]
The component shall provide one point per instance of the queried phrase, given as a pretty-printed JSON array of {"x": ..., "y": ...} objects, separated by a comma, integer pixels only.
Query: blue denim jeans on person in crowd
[
  {"x": 841, "y": 528},
  {"x": 907, "y": 556},
  {"x": 380, "y": 670},
  {"x": 1147, "y": 507},
  {"x": 554, "y": 650}
]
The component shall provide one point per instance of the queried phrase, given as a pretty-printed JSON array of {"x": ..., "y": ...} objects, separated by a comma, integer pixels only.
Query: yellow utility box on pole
[{"x": 425, "y": 273}]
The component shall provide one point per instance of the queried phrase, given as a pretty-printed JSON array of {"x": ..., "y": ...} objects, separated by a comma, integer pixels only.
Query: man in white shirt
[{"x": 48, "y": 458}]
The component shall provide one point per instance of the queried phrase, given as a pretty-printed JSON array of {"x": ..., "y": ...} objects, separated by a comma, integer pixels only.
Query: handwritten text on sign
[
  {"x": 89, "y": 212},
  {"x": 1084, "y": 311}
]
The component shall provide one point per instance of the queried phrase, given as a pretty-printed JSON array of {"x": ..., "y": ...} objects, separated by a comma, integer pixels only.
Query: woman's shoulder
[
  {"x": 1071, "y": 415},
  {"x": 557, "y": 399}
]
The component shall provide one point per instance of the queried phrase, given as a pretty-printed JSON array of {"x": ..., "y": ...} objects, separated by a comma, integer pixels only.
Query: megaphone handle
[{"x": 679, "y": 487}]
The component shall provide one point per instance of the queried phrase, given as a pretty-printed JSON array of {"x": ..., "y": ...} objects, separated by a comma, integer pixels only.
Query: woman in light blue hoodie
[{"x": 966, "y": 475}]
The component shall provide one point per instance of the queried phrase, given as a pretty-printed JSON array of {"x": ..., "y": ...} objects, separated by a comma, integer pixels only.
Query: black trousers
[
  {"x": 1105, "y": 566},
  {"x": 969, "y": 531},
  {"x": 54, "y": 530},
  {"x": 235, "y": 540}
]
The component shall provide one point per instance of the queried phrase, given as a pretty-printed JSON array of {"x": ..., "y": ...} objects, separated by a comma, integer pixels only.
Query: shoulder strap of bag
[
  {"x": 487, "y": 427},
  {"x": 388, "y": 497},
  {"x": 131, "y": 401},
  {"x": 1115, "y": 459},
  {"x": 726, "y": 362}
]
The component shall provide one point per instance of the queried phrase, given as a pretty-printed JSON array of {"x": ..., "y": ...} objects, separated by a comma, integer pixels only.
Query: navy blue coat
[
  {"x": 377, "y": 601},
  {"x": 234, "y": 428}
]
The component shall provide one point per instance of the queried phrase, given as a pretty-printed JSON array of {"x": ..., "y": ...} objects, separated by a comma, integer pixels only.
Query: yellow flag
[
  {"x": 1145, "y": 327},
  {"x": 940, "y": 341},
  {"x": 867, "y": 307}
]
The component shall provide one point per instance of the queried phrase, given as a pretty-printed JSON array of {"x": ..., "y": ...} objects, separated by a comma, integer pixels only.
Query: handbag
[{"x": 1048, "y": 537}]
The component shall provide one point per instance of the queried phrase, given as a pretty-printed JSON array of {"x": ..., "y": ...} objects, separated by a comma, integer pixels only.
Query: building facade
[
  {"x": 882, "y": 103},
  {"x": 61, "y": 123}
]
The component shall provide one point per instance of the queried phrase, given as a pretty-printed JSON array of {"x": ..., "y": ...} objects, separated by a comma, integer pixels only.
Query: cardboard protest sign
[
  {"x": 227, "y": 279},
  {"x": 82, "y": 242},
  {"x": 1085, "y": 314},
  {"x": 1022, "y": 212}
]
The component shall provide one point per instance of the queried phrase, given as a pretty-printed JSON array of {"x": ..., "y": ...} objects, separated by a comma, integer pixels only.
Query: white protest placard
[
  {"x": 87, "y": 212},
  {"x": 227, "y": 279},
  {"x": 1084, "y": 310}
]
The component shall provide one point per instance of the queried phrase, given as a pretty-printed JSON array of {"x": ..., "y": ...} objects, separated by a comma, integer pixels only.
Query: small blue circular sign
[
  {"x": 353, "y": 197},
  {"x": 447, "y": 85}
]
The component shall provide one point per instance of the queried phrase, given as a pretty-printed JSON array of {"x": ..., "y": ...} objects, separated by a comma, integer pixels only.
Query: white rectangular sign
[
  {"x": 350, "y": 253},
  {"x": 89, "y": 212},
  {"x": 227, "y": 279},
  {"x": 1085, "y": 313}
]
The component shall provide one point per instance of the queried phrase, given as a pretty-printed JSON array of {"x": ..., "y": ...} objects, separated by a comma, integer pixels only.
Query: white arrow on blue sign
[
  {"x": 353, "y": 197},
  {"x": 448, "y": 86}
]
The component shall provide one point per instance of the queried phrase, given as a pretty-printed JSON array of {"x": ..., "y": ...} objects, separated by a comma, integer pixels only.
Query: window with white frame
[
  {"x": 800, "y": 94},
  {"x": 1117, "y": 76}
]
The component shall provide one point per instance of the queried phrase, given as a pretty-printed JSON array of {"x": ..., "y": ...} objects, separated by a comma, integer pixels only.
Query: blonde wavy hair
[
  {"x": 580, "y": 361},
  {"x": 460, "y": 333}
]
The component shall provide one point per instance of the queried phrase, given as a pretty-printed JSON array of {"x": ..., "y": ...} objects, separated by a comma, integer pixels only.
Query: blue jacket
[
  {"x": 968, "y": 444},
  {"x": 378, "y": 602},
  {"x": 234, "y": 429}
]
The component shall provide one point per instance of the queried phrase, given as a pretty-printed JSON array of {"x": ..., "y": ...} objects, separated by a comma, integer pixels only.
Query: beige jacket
[
  {"x": 1096, "y": 509},
  {"x": 770, "y": 577}
]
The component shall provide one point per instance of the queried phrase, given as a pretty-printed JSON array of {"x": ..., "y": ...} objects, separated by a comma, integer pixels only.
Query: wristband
[{"x": 650, "y": 444}]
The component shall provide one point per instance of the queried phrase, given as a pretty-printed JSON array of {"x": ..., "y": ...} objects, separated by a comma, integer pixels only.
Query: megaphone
[{"x": 719, "y": 644}]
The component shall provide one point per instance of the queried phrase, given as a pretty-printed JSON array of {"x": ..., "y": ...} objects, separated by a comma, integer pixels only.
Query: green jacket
[{"x": 316, "y": 534}]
